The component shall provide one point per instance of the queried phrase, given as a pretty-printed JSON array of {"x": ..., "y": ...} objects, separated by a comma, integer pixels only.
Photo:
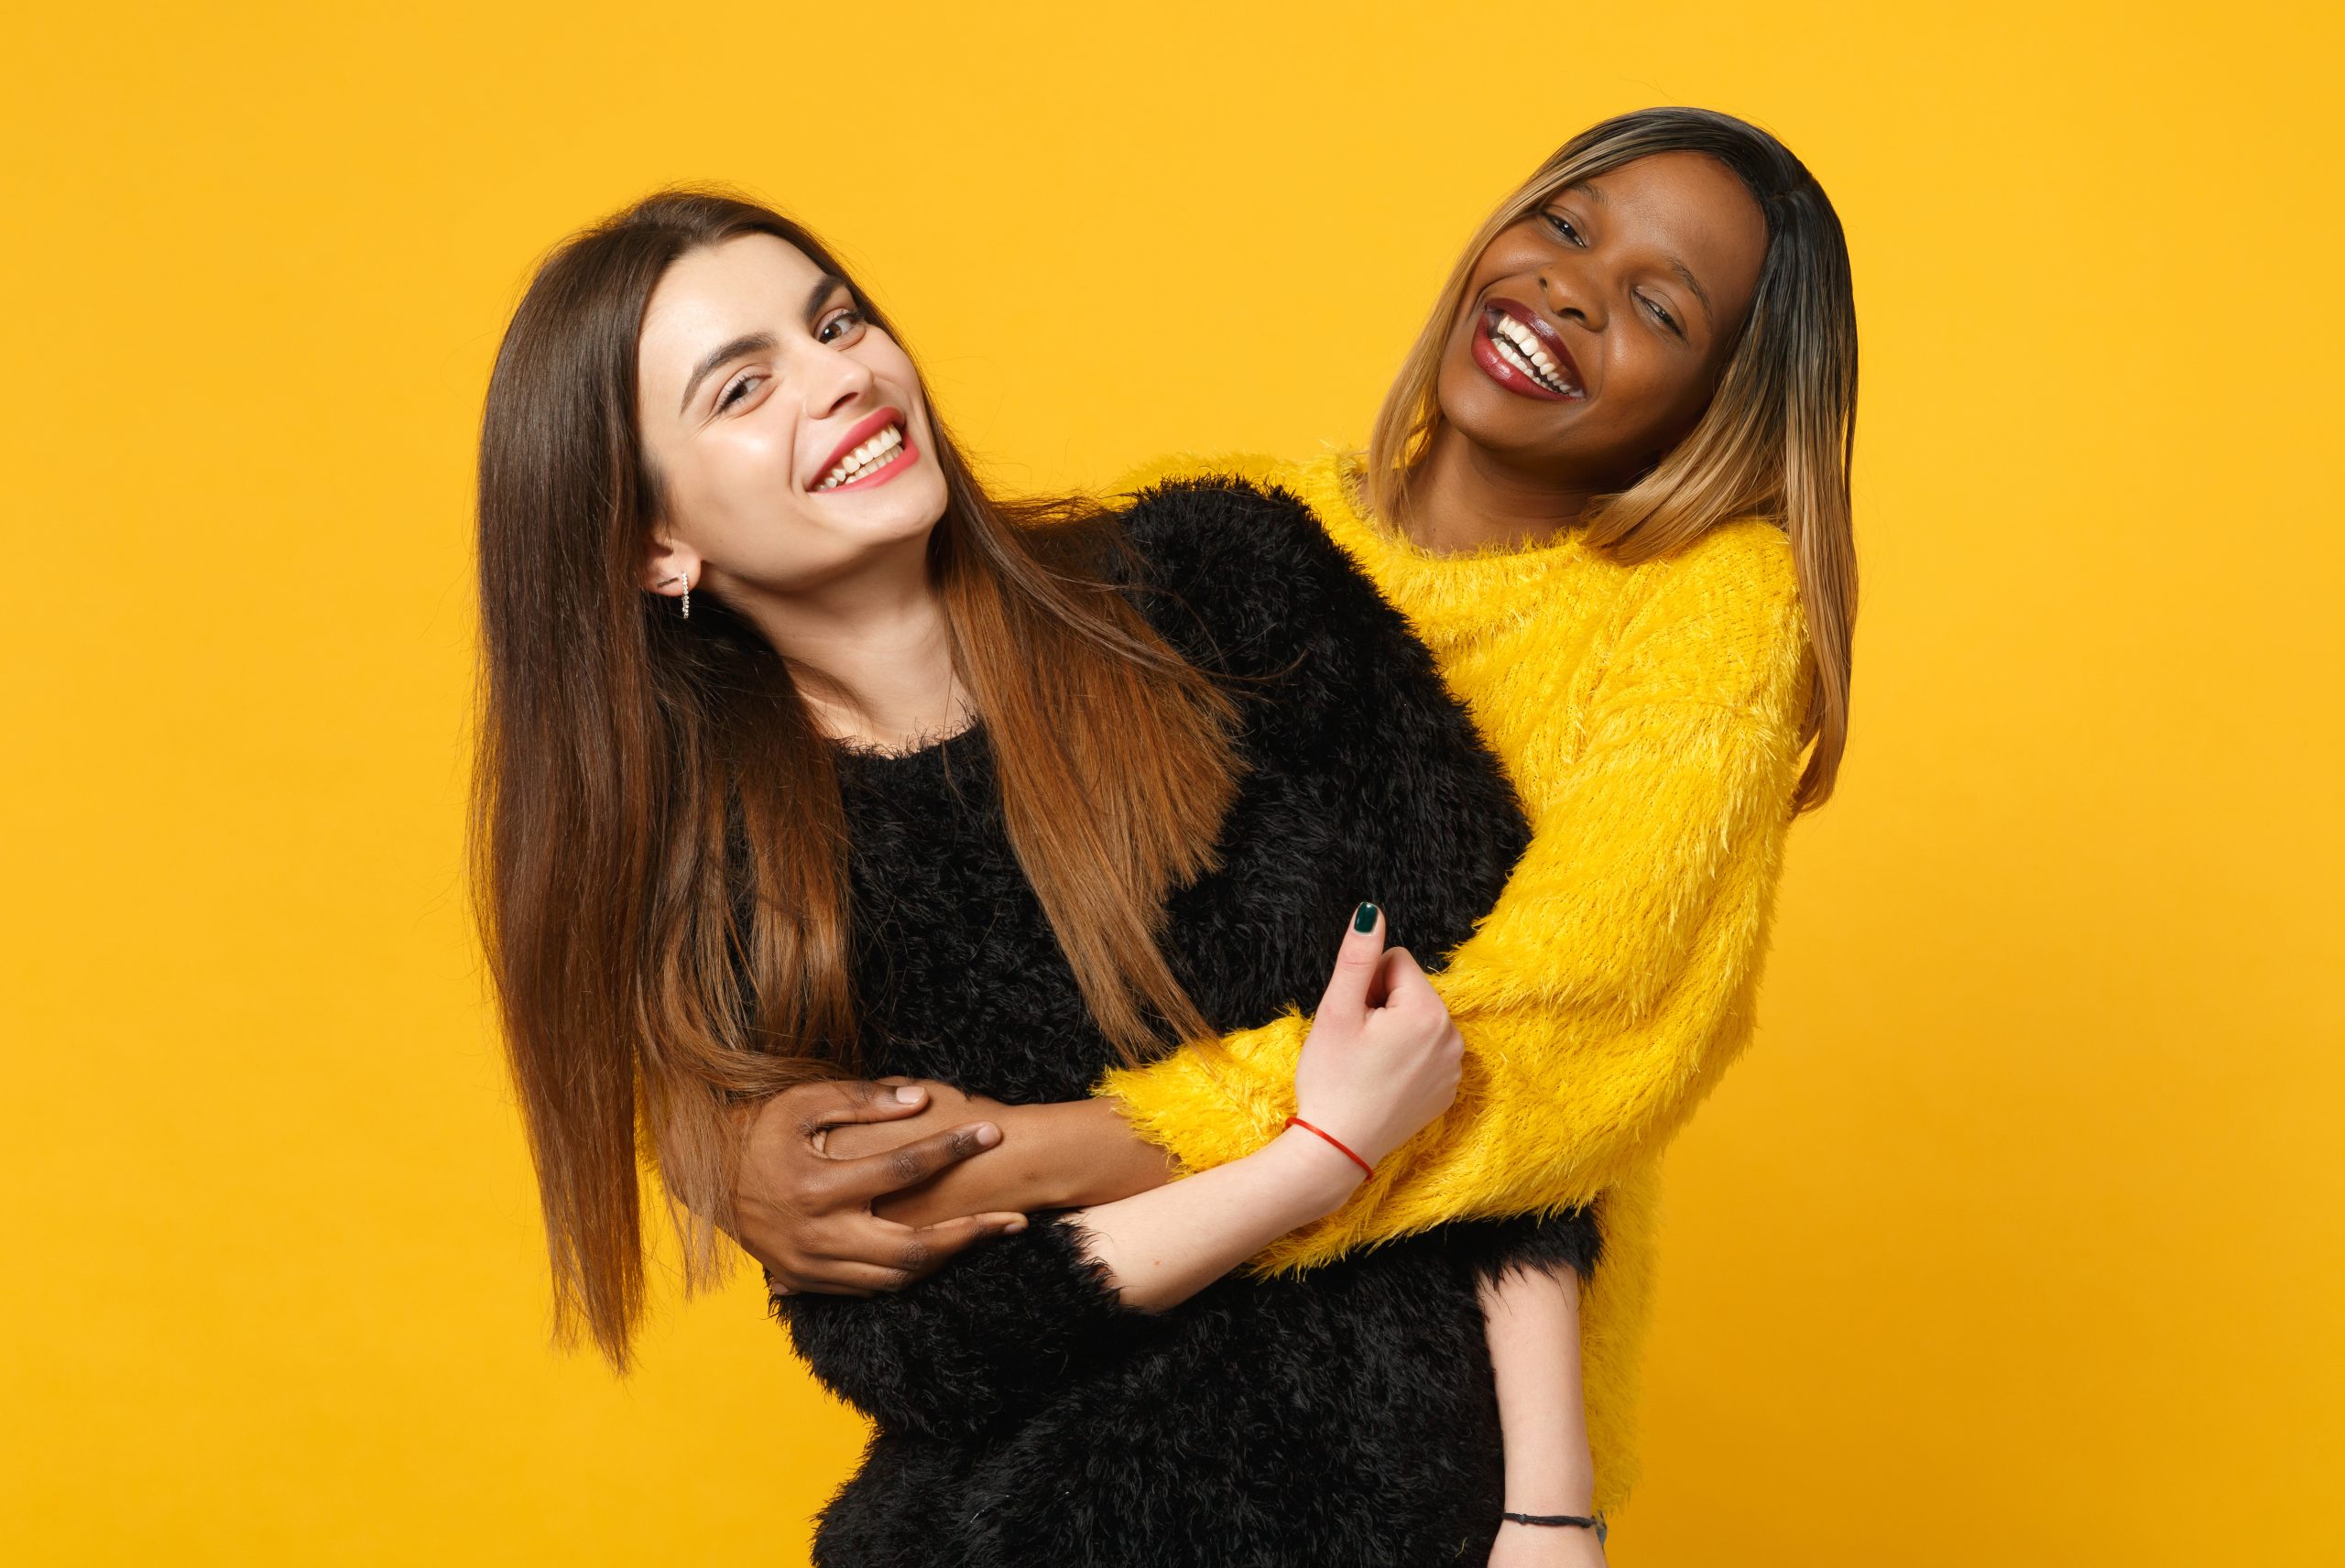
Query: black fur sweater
[{"x": 1023, "y": 1416}]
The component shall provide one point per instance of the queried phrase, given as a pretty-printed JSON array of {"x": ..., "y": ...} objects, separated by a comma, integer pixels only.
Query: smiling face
[
  {"x": 788, "y": 431},
  {"x": 1593, "y": 332}
]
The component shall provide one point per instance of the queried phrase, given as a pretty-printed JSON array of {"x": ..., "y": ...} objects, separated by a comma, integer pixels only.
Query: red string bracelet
[{"x": 1331, "y": 1137}]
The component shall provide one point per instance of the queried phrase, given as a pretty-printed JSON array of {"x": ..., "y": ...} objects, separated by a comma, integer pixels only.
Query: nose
[
  {"x": 1570, "y": 293},
  {"x": 832, "y": 379}
]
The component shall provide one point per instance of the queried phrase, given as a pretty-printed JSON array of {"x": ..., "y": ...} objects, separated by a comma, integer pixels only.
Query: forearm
[
  {"x": 1599, "y": 999},
  {"x": 1562, "y": 1092},
  {"x": 1163, "y": 1247},
  {"x": 1553, "y": 1108},
  {"x": 1532, "y": 1318},
  {"x": 1058, "y": 1155}
]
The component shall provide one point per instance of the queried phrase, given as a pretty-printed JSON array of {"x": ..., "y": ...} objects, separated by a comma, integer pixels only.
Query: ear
[{"x": 669, "y": 566}]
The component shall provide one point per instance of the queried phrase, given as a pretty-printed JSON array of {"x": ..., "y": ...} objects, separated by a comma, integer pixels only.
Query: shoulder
[
  {"x": 1737, "y": 581},
  {"x": 1247, "y": 563},
  {"x": 1741, "y": 568},
  {"x": 1718, "y": 619},
  {"x": 1206, "y": 519},
  {"x": 1172, "y": 468}
]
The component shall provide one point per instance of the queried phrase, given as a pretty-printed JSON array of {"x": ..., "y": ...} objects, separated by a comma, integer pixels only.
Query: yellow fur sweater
[{"x": 1650, "y": 717}]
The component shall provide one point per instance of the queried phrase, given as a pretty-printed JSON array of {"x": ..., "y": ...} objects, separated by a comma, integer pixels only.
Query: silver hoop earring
[{"x": 687, "y": 582}]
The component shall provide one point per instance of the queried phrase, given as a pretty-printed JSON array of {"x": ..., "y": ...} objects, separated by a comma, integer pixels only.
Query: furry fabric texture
[
  {"x": 1651, "y": 717},
  {"x": 1345, "y": 1416}
]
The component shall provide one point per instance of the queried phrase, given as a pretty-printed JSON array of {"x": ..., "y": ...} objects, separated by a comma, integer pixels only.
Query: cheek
[
  {"x": 1518, "y": 251},
  {"x": 1662, "y": 393},
  {"x": 1455, "y": 347},
  {"x": 749, "y": 464},
  {"x": 729, "y": 482},
  {"x": 1455, "y": 370},
  {"x": 887, "y": 361}
]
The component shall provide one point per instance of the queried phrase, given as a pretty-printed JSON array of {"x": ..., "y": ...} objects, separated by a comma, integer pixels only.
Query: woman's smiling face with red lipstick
[
  {"x": 788, "y": 433},
  {"x": 1594, "y": 330}
]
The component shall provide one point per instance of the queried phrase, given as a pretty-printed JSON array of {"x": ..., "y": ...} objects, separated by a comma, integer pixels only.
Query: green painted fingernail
[{"x": 1364, "y": 918}]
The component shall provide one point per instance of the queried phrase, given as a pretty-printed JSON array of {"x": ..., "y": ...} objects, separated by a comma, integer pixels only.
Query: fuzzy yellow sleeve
[{"x": 1612, "y": 981}]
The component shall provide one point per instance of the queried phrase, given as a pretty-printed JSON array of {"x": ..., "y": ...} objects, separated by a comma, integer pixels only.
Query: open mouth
[
  {"x": 874, "y": 450},
  {"x": 1522, "y": 349}
]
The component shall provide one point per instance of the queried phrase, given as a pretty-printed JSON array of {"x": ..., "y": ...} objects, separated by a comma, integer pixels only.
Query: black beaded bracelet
[{"x": 1572, "y": 1520}]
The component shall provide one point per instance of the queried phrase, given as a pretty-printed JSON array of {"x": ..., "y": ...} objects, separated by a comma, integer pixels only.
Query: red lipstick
[
  {"x": 1506, "y": 372},
  {"x": 862, "y": 430}
]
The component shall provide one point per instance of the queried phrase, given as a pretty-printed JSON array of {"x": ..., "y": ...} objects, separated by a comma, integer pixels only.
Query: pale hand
[{"x": 1383, "y": 1057}]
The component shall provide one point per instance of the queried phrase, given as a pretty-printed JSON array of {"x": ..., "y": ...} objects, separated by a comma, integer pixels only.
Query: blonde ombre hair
[{"x": 1779, "y": 432}]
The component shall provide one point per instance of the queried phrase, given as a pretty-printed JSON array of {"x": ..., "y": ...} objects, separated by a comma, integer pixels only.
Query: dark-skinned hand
[{"x": 806, "y": 1213}]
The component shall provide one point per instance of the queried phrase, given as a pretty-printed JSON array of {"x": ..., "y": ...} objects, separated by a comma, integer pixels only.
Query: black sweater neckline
[{"x": 875, "y": 762}]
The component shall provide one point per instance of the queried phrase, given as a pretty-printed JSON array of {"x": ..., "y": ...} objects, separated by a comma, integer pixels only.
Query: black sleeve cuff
[{"x": 1492, "y": 1250}]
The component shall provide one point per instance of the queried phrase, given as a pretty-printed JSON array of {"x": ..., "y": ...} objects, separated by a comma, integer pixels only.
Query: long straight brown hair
[
  {"x": 1780, "y": 433},
  {"x": 658, "y": 843}
]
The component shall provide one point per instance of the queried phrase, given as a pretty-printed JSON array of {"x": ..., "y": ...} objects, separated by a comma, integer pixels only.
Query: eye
[
  {"x": 738, "y": 390},
  {"x": 840, "y": 326},
  {"x": 1563, "y": 226},
  {"x": 1661, "y": 314}
]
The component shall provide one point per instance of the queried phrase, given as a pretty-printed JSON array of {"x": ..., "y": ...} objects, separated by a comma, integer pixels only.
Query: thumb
[{"x": 1356, "y": 965}]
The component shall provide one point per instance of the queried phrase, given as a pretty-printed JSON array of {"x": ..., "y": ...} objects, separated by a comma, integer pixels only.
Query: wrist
[
  {"x": 1557, "y": 1493},
  {"x": 1362, "y": 1155},
  {"x": 1324, "y": 1176}
]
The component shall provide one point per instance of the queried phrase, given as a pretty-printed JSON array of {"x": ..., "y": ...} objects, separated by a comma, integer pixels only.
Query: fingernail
[
  {"x": 1364, "y": 918},
  {"x": 988, "y": 1135},
  {"x": 909, "y": 1094},
  {"x": 1014, "y": 1227}
]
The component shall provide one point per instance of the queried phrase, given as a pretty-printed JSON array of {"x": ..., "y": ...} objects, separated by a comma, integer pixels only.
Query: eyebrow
[
  {"x": 1700, "y": 293},
  {"x": 757, "y": 343},
  {"x": 753, "y": 342}
]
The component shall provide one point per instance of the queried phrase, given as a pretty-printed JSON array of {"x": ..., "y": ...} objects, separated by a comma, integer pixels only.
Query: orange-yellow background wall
[{"x": 2016, "y": 1238}]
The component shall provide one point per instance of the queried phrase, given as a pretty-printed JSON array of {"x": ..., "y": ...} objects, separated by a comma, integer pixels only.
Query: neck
[
  {"x": 1467, "y": 498},
  {"x": 869, "y": 649}
]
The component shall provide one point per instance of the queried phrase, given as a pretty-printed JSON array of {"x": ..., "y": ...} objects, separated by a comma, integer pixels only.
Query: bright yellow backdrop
[{"x": 2016, "y": 1238}]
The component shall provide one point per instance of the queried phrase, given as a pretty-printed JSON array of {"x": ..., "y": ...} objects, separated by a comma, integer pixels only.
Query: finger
[
  {"x": 862, "y": 1281},
  {"x": 1380, "y": 980},
  {"x": 915, "y": 1162},
  {"x": 920, "y": 1252},
  {"x": 810, "y": 1275},
  {"x": 864, "y": 1100},
  {"x": 906, "y": 1254},
  {"x": 937, "y": 1243},
  {"x": 1355, "y": 972},
  {"x": 1403, "y": 981}
]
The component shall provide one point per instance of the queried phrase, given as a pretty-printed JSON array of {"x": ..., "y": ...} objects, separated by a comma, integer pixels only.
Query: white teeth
[
  {"x": 871, "y": 454},
  {"x": 1520, "y": 347}
]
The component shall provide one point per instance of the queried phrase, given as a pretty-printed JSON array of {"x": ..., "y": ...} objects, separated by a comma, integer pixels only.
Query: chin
[
  {"x": 1493, "y": 418},
  {"x": 912, "y": 511},
  {"x": 925, "y": 493}
]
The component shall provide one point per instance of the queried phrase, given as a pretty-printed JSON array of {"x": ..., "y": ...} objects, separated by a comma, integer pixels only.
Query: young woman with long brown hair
[
  {"x": 803, "y": 754},
  {"x": 1610, "y": 488}
]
